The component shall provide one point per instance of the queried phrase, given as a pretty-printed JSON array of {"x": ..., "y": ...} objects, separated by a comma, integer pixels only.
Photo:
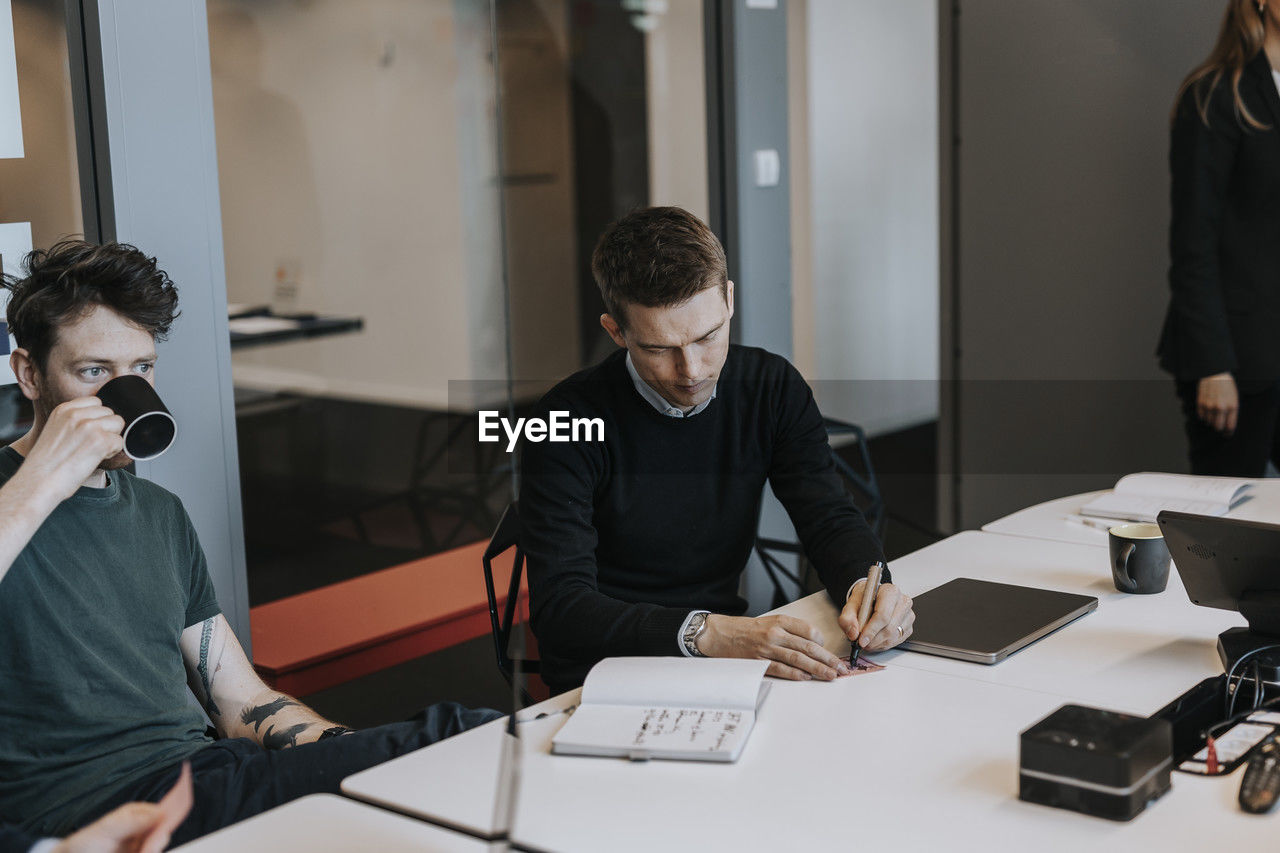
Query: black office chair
[
  {"x": 864, "y": 488},
  {"x": 459, "y": 489},
  {"x": 505, "y": 537}
]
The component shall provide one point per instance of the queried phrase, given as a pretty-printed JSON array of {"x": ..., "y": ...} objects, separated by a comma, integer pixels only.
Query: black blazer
[{"x": 1224, "y": 314}]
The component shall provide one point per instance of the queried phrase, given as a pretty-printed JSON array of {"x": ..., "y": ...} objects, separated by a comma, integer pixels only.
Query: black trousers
[
  {"x": 236, "y": 778},
  {"x": 1245, "y": 452}
]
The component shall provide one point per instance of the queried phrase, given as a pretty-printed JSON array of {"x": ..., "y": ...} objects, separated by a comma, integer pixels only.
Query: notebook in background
[{"x": 1139, "y": 497}]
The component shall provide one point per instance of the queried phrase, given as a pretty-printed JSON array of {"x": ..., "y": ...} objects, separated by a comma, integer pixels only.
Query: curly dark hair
[
  {"x": 656, "y": 256},
  {"x": 69, "y": 278}
]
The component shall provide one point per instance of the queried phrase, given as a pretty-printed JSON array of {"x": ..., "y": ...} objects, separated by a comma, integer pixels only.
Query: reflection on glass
[
  {"x": 357, "y": 172},
  {"x": 604, "y": 111},
  {"x": 358, "y": 156},
  {"x": 40, "y": 191},
  {"x": 43, "y": 186}
]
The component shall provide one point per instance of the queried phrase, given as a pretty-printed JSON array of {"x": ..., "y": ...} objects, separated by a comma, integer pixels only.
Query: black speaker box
[{"x": 1101, "y": 763}]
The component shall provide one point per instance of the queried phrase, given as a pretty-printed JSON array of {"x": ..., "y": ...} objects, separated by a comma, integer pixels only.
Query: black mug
[
  {"x": 1139, "y": 558},
  {"x": 149, "y": 428}
]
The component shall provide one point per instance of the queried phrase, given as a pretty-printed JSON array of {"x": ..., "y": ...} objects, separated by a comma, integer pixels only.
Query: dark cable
[
  {"x": 1229, "y": 698},
  {"x": 1257, "y": 684}
]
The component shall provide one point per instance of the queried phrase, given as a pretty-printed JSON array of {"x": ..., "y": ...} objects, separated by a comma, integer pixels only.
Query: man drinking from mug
[{"x": 107, "y": 610}]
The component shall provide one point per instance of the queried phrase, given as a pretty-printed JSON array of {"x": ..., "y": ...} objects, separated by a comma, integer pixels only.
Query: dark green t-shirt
[{"x": 93, "y": 691}]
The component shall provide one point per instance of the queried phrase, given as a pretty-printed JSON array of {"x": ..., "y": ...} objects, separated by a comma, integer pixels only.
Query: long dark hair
[{"x": 1243, "y": 32}]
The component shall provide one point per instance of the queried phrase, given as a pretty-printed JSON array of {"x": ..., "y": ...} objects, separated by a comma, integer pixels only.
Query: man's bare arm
[
  {"x": 235, "y": 698},
  {"x": 23, "y": 508},
  {"x": 79, "y": 434}
]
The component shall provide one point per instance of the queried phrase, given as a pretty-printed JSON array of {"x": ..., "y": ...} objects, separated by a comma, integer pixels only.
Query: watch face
[{"x": 697, "y": 624}]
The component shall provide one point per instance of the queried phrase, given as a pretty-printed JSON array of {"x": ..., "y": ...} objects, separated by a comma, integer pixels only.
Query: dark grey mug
[
  {"x": 1139, "y": 558},
  {"x": 149, "y": 428}
]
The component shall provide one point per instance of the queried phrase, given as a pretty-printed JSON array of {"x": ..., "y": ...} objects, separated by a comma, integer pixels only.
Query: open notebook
[
  {"x": 696, "y": 709},
  {"x": 1138, "y": 497}
]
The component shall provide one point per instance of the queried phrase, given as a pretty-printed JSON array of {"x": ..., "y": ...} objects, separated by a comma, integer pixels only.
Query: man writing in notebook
[{"x": 636, "y": 544}]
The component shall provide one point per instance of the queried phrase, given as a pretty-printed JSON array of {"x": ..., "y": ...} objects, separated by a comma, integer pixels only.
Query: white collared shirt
[{"x": 656, "y": 400}]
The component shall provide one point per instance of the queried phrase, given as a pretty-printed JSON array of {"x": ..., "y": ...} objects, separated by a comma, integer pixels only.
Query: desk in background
[
  {"x": 1049, "y": 520},
  {"x": 258, "y": 326}
]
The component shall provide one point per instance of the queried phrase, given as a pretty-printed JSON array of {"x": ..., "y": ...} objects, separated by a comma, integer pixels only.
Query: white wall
[
  {"x": 355, "y": 153},
  {"x": 873, "y": 159},
  {"x": 676, "y": 70}
]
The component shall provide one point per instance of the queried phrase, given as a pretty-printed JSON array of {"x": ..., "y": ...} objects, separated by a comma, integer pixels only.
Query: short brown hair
[
  {"x": 66, "y": 280},
  {"x": 657, "y": 256}
]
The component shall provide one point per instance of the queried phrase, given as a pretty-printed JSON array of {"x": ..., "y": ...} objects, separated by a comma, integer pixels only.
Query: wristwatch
[
  {"x": 334, "y": 731},
  {"x": 693, "y": 629}
]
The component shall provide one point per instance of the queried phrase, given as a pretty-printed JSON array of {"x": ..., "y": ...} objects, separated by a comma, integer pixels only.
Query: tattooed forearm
[
  {"x": 272, "y": 739},
  {"x": 257, "y": 715},
  {"x": 277, "y": 721},
  {"x": 206, "y": 635}
]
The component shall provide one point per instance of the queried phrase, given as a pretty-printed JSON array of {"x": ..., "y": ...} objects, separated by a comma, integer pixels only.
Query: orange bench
[{"x": 317, "y": 639}]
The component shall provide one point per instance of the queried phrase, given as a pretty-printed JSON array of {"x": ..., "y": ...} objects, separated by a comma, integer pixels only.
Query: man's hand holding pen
[
  {"x": 890, "y": 616},
  {"x": 794, "y": 648}
]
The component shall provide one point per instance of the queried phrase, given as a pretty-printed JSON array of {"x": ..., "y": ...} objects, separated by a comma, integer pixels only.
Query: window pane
[
  {"x": 603, "y": 111},
  {"x": 40, "y": 190},
  {"x": 356, "y": 166}
]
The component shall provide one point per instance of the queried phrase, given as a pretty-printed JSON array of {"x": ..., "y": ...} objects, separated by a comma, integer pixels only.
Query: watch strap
[{"x": 334, "y": 731}]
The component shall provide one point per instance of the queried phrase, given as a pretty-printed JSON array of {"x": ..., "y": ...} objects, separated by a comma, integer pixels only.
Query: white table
[
  {"x": 920, "y": 756},
  {"x": 1049, "y": 520},
  {"x": 323, "y": 823},
  {"x": 1134, "y": 653}
]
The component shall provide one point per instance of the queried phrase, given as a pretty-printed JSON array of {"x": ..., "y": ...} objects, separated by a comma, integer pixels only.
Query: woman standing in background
[{"x": 1221, "y": 338}]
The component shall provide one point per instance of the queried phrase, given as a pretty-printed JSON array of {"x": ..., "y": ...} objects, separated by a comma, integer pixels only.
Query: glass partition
[
  {"x": 39, "y": 170},
  {"x": 359, "y": 144},
  {"x": 410, "y": 194},
  {"x": 356, "y": 155},
  {"x": 603, "y": 111}
]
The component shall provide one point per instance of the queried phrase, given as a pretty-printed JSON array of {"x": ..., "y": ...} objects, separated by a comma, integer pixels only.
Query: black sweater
[{"x": 623, "y": 538}]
